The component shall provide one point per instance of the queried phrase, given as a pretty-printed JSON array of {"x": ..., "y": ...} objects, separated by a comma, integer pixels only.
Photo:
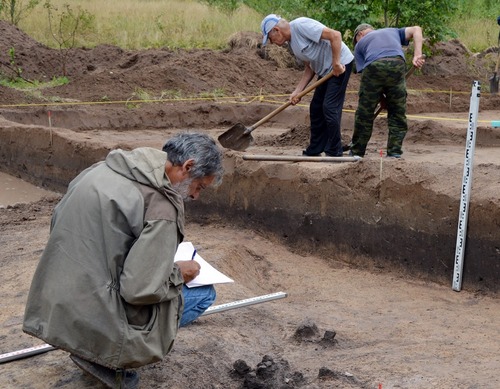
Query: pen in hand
[{"x": 194, "y": 254}]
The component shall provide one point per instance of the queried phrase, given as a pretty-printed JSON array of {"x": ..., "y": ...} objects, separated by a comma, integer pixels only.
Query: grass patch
[
  {"x": 216, "y": 93},
  {"x": 171, "y": 94},
  {"x": 141, "y": 95},
  {"x": 132, "y": 24},
  {"x": 477, "y": 34},
  {"x": 30, "y": 86},
  {"x": 186, "y": 24}
]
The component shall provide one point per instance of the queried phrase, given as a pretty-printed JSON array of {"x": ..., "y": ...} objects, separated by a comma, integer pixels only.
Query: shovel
[
  {"x": 239, "y": 137},
  {"x": 494, "y": 79}
]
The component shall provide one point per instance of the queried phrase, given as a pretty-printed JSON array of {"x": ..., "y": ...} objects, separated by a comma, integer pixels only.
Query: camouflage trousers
[{"x": 382, "y": 78}]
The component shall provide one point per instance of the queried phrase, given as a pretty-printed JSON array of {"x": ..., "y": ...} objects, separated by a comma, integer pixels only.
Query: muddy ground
[{"x": 355, "y": 316}]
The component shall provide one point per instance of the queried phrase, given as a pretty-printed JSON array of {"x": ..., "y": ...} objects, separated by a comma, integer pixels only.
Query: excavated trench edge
[{"x": 419, "y": 252}]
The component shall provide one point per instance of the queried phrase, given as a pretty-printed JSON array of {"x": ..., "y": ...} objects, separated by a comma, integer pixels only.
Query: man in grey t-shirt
[{"x": 322, "y": 51}]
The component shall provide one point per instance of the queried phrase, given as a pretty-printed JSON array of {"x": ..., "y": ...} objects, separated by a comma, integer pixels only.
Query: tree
[
  {"x": 65, "y": 26},
  {"x": 345, "y": 15}
]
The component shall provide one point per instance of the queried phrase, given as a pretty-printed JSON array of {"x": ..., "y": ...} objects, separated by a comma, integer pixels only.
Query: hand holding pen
[{"x": 189, "y": 269}]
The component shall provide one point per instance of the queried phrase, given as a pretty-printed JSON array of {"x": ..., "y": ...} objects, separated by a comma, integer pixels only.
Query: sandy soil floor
[
  {"x": 390, "y": 329},
  {"x": 342, "y": 325}
]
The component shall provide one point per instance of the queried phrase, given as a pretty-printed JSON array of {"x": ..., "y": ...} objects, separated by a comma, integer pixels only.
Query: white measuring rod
[
  {"x": 244, "y": 303},
  {"x": 43, "y": 348},
  {"x": 470, "y": 145}
]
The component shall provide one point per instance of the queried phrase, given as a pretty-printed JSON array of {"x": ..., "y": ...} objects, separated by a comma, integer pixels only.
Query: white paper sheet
[{"x": 208, "y": 274}]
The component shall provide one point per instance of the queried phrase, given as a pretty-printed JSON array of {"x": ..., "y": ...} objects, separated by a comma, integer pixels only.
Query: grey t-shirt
[
  {"x": 377, "y": 44},
  {"x": 307, "y": 46}
]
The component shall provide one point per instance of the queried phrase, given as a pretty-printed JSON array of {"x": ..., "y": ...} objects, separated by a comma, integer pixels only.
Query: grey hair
[{"x": 201, "y": 148}]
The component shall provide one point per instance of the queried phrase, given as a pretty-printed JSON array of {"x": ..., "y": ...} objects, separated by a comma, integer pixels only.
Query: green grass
[
  {"x": 141, "y": 24},
  {"x": 34, "y": 88},
  {"x": 133, "y": 24},
  {"x": 477, "y": 34},
  {"x": 27, "y": 86}
]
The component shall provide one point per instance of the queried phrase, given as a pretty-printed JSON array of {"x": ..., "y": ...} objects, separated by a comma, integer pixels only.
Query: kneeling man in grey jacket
[{"x": 106, "y": 288}]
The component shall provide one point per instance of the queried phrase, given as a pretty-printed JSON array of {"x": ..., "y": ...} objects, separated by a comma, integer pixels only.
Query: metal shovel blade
[
  {"x": 494, "y": 80},
  {"x": 238, "y": 138}
]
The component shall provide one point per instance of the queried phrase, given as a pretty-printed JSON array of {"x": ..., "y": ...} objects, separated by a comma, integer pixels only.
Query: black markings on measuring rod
[{"x": 470, "y": 144}]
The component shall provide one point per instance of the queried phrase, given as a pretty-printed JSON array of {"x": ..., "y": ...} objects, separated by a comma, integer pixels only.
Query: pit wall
[
  {"x": 339, "y": 211},
  {"x": 346, "y": 212},
  {"x": 45, "y": 157}
]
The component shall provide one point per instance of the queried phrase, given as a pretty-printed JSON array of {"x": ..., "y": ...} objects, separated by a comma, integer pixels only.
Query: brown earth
[{"x": 366, "y": 254}]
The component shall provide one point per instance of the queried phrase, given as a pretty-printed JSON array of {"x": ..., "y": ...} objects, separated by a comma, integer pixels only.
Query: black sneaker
[
  {"x": 116, "y": 379},
  {"x": 306, "y": 154}
]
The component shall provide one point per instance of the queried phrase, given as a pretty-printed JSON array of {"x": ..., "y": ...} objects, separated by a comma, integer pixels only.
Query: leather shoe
[
  {"x": 305, "y": 153},
  {"x": 120, "y": 378}
]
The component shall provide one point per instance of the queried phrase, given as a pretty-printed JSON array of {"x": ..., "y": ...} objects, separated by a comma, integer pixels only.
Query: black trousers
[{"x": 326, "y": 113}]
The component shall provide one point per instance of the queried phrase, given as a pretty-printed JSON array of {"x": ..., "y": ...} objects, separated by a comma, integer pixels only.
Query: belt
[{"x": 398, "y": 58}]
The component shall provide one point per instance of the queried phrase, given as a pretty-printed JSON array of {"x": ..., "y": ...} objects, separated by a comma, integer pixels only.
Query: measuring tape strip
[{"x": 28, "y": 352}]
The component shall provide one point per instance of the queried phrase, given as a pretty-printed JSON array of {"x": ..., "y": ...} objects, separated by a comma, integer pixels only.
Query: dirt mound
[
  {"x": 448, "y": 58},
  {"x": 18, "y": 50},
  {"x": 107, "y": 73},
  {"x": 158, "y": 72},
  {"x": 296, "y": 136}
]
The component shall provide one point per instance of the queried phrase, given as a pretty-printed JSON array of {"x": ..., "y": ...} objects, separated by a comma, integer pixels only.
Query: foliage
[
  {"x": 66, "y": 25},
  {"x": 15, "y": 70},
  {"x": 341, "y": 15},
  {"x": 478, "y": 8},
  {"x": 345, "y": 15},
  {"x": 289, "y": 9},
  {"x": 475, "y": 22},
  {"x": 31, "y": 86},
  {"x": 437, "y": 18},
  {"x": 15, "y": 10},
  {"x": 13, "y": 63},
  {"x": 226, "y": 6}
]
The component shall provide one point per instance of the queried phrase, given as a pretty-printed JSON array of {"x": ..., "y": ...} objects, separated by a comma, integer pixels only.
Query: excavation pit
[{"x": 363, "y": 248}]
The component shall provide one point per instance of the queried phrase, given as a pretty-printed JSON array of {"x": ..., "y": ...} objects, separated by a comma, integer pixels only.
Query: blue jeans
[{"x": 196, "y": 301}]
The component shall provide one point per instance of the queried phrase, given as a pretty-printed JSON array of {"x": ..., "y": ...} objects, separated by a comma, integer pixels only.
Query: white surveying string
[
  {"x": 470, "y": 144},
  {"x": 43, "y": 348}
]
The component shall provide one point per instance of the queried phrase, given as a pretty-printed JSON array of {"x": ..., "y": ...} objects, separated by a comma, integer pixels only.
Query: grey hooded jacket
[{"x": 106, "y": 287}]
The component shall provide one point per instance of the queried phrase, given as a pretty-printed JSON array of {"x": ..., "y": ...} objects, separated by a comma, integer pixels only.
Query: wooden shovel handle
[{"x": 281, "y": 108}]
